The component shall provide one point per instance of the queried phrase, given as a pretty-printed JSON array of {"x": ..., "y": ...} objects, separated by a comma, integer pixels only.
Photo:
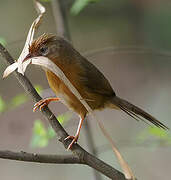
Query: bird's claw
[
  {"x": 74, "y": 140},
  {"x": 39, "y": 105}
]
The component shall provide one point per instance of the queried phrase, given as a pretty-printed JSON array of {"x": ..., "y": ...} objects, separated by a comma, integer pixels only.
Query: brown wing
[
  {"x": 94, "y": 80},
  {"x": 89, "y": 75}
]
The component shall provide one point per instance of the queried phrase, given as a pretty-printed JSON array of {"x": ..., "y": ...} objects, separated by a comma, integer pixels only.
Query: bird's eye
[{"x": 44, "y": 50}]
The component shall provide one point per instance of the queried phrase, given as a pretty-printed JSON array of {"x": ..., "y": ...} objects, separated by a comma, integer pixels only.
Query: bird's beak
[{"x": 27, "y": 57}]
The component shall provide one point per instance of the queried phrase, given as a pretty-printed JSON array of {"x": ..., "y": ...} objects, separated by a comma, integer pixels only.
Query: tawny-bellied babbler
[{"x": 86, "y": 78}]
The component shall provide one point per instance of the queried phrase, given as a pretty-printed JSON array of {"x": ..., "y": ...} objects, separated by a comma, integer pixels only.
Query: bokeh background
[{"x": 141, "y": 77}]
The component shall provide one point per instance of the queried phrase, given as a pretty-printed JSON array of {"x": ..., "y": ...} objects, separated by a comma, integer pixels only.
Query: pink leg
[
  {"x": 43, "y": 102},
  {"x": 75, "y": 138}
]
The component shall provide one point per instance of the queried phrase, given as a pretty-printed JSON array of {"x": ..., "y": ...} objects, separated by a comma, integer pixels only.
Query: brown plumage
[{"x": 86, "y": 78}]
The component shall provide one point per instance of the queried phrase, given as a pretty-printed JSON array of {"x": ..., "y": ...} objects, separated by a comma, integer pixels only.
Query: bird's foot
[
  {"x": 74, "y": 140},
  {"x": 39, "y": 105},
  {"x": 43, "y": 102}
]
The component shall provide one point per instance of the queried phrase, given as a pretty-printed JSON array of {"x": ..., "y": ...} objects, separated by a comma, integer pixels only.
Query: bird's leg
[
  {"x": 43, "y": 102},
  {"x": 75, "y": 138}
]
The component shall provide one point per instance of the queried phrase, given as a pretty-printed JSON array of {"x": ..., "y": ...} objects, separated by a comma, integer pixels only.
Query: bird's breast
[{"x": 62, "y": 91}]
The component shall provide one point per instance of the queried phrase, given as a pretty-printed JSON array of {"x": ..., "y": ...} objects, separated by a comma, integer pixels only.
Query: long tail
[{"x": 135, "y": 112}]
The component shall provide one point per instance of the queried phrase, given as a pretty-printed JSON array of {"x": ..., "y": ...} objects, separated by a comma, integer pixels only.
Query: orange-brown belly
[{"x": 64, "y": 94}]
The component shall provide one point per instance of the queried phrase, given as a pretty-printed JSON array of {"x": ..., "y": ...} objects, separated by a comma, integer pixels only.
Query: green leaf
[
  {"x": 18, "y": 100},
  {"x": 63, "y": 118},
  {"x": 3, "y": 41},
  {"x": 39, "y": 128},
  {"x": 43, "y": 142},
  {"x": 39, "y": 141},
  {"x": 79, "y": 5},
  {"x": 38, "y": 88},
  {"x": 51, "y": 133},
  {"x": 2, "y": 105},
  {"x": 40, "y": 137},
  {"x": 161, "y": 133},
  {"x": 45, "y": 0}
]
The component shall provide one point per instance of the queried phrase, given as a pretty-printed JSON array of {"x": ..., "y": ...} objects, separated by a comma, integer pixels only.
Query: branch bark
[
  {"x": 84, "y": 157},
  {"x": 40, "y": 158}
]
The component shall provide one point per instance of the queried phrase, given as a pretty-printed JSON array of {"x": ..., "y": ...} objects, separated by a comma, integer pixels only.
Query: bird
[{"x": 92, "y": 85}]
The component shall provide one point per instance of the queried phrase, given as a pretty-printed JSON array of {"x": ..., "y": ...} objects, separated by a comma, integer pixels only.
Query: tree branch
[
  {"x": 84, "y": 156},
  {"x": 40, "y": 158}
]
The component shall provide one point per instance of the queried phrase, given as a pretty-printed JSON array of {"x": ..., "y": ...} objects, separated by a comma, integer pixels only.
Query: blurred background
[{"x": 135, "y": 38}]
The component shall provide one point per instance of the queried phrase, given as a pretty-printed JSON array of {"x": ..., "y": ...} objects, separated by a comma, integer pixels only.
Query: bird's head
[
  {"x": 42, "y": 51},
  {"x": 46, "y": 45}
]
